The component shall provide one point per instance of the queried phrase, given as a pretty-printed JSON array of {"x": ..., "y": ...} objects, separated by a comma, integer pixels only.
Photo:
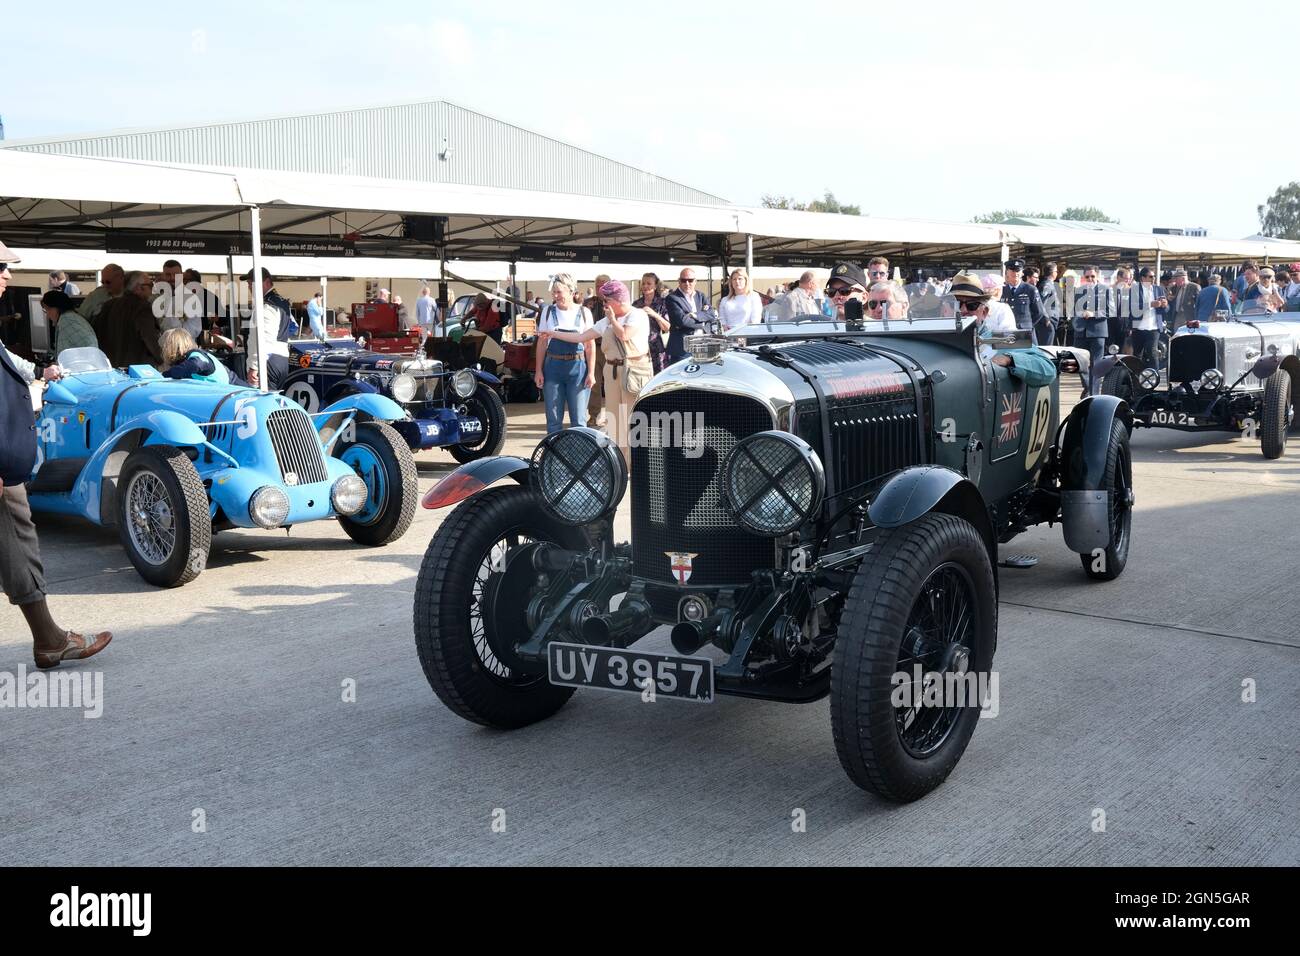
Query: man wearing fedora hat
[
  {"x": 1033, "y": 366},
  {"x": 21, "y": 572},
  {"x": 1182, "y": 299}
]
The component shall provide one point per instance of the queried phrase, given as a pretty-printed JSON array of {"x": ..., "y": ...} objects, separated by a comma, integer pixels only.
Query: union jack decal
[{"x": 1012, "y": 413}]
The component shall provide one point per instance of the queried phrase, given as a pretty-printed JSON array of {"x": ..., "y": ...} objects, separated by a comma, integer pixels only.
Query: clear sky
[{"x": 1172, "y": 114}]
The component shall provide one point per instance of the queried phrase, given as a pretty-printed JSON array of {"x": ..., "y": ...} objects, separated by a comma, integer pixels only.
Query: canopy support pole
[
  {"x": 325, "y": 303},
  {"x": 749, "y": 259},
  {"x": 1006, "y": 254},
  {"x": 512, "y": 293},
  {"x": 232, "y": 299},
  {"x": 255, "y": 330}
]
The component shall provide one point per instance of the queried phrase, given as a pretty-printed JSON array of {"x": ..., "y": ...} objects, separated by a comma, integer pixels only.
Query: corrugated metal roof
[{"x": 403, "y": 141}]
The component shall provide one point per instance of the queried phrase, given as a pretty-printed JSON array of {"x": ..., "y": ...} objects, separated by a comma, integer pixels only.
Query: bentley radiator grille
[
  {"x": 869, "y": 438},
  {"x": 676, "y": 493},
  {"x": 297, "y": 449}
]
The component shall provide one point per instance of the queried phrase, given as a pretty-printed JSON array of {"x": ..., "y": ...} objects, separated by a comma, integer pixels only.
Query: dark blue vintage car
[{"x": 458, "y": 410}]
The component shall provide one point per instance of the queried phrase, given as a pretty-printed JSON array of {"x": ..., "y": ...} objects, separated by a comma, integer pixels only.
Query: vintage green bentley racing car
[{"x": 816, "y": 508}]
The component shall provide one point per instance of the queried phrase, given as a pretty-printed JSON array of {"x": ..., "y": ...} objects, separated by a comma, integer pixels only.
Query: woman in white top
[
  {"x": 624, "y": 335},
  {"x": 743, "y": 305},
  {"x": 564, "y": 369}
]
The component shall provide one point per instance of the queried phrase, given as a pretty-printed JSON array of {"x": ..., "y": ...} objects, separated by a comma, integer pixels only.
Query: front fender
[
  {"x": 368, "y": 403},
  {"x": 473, "y": 477},
  {"x": 167, "y": 428},
  {"x": 483, "y": 376},
  {"x": 917, "y": 491},
  {"x": 1130, "y": 362}
]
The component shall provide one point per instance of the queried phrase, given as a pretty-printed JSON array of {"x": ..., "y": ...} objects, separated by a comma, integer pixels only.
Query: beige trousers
[{"x": 618, "y": 405}]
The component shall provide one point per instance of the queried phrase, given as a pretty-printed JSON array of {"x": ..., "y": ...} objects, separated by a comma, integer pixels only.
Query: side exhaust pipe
[
  {"x": 689, "y": 636},
  {"x": 632, "y": 618}
]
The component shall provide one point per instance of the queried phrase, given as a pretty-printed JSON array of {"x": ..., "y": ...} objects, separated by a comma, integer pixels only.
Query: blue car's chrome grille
[{"x": 297, "y": 448}]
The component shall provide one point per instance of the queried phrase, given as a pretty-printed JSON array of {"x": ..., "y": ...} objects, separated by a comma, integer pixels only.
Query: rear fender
[
  {"x": 1087, "y": 439},
  {"x": 1085, "y": 504},
  {"x": 95, "y": 492},
  {"x": 471, "y": 478}
]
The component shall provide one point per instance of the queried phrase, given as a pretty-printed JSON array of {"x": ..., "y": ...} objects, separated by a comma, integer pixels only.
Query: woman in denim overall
[{"x": 564, "y": 369}]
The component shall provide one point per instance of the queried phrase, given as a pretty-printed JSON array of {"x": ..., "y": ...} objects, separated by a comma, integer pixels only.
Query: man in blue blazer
[{"x": 686, "y": 313}]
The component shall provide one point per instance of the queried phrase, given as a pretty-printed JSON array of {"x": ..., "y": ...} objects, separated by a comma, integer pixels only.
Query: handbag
[{"x": 635, "y": 377}]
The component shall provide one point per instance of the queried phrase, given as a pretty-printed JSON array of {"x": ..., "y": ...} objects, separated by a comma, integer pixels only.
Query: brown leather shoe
[{"x": 75, "y": 648}]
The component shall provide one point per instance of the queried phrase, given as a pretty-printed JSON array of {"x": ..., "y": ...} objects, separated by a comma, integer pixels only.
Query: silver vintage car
[{"x": 1233, "y": 373}]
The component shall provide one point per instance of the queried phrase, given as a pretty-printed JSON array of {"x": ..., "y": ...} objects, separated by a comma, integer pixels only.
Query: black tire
[
  {"x": 385, "y": 451},
  {"x": 1118, "y": 481},
  {"x": 1276, "y": 414},
  {"x": 168, "y": 541},
  {"x": 485, "y": 405},
  {"x": 459, "y": 665},
  {"x": 885, "y": 595},
  {"x": 1119, "y": 382}
]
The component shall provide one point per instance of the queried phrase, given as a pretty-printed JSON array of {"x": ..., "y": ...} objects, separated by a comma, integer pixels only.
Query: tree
[
  {"x": 828, "y": 203},
  {"x": 1086, "y": 214},
  {"x": 1076, "y": 213},
  {"x": 1280, "y": 216},
  {"x": 1002, "y": 215}
]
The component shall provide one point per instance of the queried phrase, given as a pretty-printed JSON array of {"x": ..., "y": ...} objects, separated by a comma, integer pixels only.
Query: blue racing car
[
  {"x": 170, "y": 462},
  {"x": 458, "y": 410}
]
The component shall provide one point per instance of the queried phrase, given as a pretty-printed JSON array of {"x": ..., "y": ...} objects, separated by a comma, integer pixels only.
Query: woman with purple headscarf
[{"x": 624, "y": 335}]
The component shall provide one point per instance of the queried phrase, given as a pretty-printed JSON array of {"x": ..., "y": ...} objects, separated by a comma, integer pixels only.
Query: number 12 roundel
[{"x": 1040, "y": 424}]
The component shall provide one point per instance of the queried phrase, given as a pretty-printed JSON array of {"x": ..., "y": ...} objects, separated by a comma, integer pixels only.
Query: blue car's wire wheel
[
  {"x": 163, "y": 515},
  {"x": 150, "y": 524},
  {"x": 382, "y": 459}
]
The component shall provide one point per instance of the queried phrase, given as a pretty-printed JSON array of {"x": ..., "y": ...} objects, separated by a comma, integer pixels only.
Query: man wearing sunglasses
[
  {"x": 1032, "y": 365},
  {"x": 687, "y": 312},
  {"x": 847, "y": 281},
  {"x": 1094, "y": 307},
  {"x": 886, "y": 301}
]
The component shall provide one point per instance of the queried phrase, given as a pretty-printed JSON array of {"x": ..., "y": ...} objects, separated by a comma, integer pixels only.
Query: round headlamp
[
  {"x": 772, "y": 482},
  {"x": 348, "y": 495},
  {"x": 1149, "y": 379},
  {"x": 403, "y": 388},
  {"x": 1211, "y": 380},
  {"x": 268, "y": 507},
  {"x": 463, "y": 383},
  {"x": 579, "y": 475}
]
